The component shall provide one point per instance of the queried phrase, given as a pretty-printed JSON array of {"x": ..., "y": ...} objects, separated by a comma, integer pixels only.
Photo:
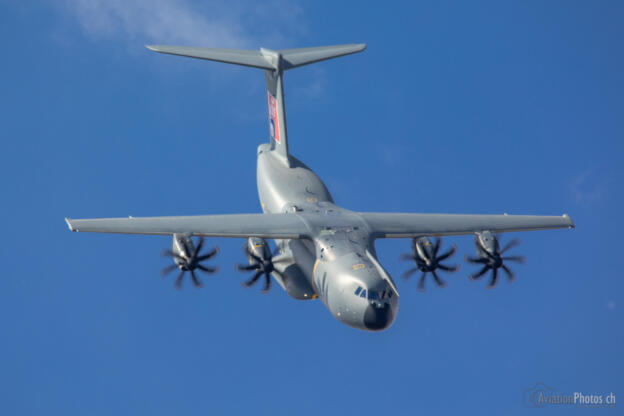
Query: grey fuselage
[{"x": 338, "y": 262}]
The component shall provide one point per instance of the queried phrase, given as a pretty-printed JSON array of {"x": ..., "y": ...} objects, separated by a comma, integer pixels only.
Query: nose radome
[{"x": 378, "y": 318}]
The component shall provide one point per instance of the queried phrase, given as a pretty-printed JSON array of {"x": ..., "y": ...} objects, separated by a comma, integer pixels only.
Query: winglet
[
  {"x": 570, "y": 222},
  {"x": 68, "y": 221}
]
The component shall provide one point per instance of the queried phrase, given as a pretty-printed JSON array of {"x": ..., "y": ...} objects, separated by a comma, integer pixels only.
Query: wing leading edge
[
  {"x": 284, "y": 226},
  {"x": 392, "y": 225}
]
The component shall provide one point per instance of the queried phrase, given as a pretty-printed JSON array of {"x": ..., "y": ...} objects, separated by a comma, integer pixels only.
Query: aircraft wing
[
  {"x": 289, "y": 226},
  {"x": 284, "y": 226},
  {"x": 392, "y": 225}
]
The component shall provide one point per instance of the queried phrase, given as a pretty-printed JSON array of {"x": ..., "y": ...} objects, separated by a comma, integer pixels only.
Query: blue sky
[{"x": 458, "y": 107}]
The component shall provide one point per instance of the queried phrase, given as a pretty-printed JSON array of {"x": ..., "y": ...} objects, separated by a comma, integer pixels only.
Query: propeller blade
[
  {"x": 208, "y": 255},
  {"x": 178, "y": 282},
  {"x": 254, "y": 279},
  {"x": 494, "y": 277},
  {"x": 169, "y": 253},
  {"x": 510, "y": 244},
  {"x": 246, "y": 268},
  {"x": 164, "y": 272},
  {"x": 510, "y": 274},
  {"x": 421, "y": 282},
  {"x": 480, "y": 273},
  {"x": 419, "y": 262},
  {"x": 477, "y": 260},
  {"x": 436, "y": 246},
  {"x": 267, "y": 282},
  {"x": 196, "y": 281},
  {"x": 447, "y": 254},
  {"x": 451, "y": 269},
  {"x": 209, "y": 270},
  {"x": 518, "y": 259},
  {"x": 437, "y": 279},
  {"x": 198, "y": 247},
  {"x": 407, "y": 274}
]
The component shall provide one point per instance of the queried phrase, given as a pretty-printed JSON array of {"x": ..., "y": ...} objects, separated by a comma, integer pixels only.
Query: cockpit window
[
  {"x": 372, "y": 294},
  {"x": 361, "y": 292}
]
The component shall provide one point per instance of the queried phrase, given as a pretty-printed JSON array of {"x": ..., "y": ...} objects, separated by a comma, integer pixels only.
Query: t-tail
[{"x": 274, "y": 62}]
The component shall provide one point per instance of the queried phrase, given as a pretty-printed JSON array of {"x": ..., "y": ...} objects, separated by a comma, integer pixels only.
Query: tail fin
[{"x": 274, "y": 63}]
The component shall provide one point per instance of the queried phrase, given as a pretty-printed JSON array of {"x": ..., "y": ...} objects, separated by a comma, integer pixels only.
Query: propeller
[
  {"x": 189, "y": 259},
  {"x": 425, "y": 255},
  {"x": 260, "y": 262},
  {"x": 490, "y": 256}
]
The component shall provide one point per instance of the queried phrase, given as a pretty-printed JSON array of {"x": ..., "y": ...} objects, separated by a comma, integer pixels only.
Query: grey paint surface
[{"x": 326, "y": 251}]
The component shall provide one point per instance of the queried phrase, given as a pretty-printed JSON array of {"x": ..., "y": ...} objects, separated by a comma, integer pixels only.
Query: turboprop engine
[
  {"x": 186, "y": 257},
  {"x": 490, "y": 256}
]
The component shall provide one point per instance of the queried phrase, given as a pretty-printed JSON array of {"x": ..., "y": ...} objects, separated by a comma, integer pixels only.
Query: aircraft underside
[
  {"x": 334, "y": 265},
  {"x": 323, "y": 251}
]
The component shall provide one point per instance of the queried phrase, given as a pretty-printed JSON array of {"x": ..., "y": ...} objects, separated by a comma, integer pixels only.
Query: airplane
[{"x": 323, "y": 251}]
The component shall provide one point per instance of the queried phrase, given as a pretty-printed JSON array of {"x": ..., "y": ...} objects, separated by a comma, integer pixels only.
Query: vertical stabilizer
[
  {"x": 275, "y": 101},
  {"x": 274, "y": 63}
]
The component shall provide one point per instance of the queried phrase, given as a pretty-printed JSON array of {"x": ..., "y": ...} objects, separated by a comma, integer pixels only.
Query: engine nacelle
[
  {"x": 491, "y": 257},
  {"x": 259, "y": 247},
  {"x": 188, "y": 258},
  {"x": 183, "y": 248},
  {"x": 423, "y": 247},
  {"x": 486, "y": 241}
]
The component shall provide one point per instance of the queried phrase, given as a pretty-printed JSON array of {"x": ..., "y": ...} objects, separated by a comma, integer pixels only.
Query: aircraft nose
[{"x": 378, "y": 317}]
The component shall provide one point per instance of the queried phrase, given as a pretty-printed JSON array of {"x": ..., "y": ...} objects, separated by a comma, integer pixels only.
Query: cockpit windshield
[{"x": 373, "y": 294}]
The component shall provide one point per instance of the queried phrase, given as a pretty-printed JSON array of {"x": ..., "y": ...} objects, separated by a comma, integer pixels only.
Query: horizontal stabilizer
[
  {"x": 231, "y": 56},
  {"x": 294, "y": 58},
  {"x": 274, "y": 63},
  {"x": 263, "y": 58}
]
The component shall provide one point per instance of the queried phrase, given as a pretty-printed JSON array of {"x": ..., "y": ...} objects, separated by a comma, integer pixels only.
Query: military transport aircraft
[{"x": 323, "y": 251}]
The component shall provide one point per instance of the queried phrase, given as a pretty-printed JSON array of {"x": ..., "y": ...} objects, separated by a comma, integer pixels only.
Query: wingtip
[
  {"x": 358, "y": 47},
  {"x": 69, "y": 225},
  {"x": 570, "y": 222},
  {"x": 152, "y": 48}
]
